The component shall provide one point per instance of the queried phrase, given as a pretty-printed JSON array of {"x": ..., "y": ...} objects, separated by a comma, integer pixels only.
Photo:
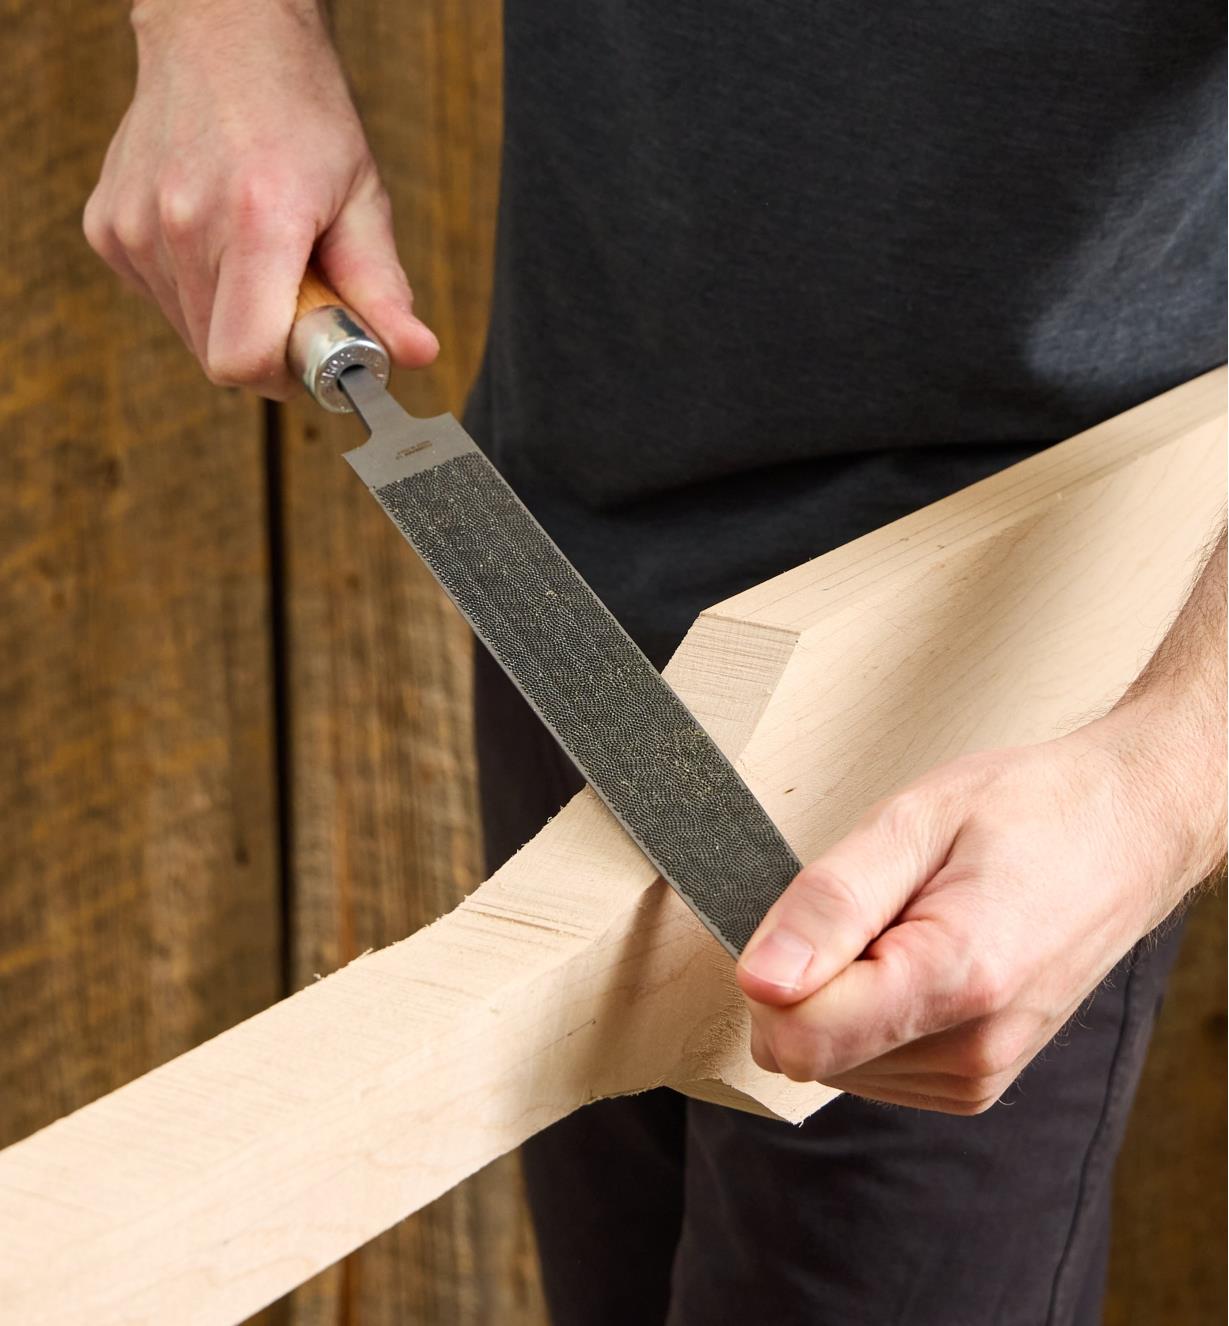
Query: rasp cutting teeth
[{"x": 628, "y": 733}]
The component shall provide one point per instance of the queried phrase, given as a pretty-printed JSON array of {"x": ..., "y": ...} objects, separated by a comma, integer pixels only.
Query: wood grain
[
  {"x": 1000, "y": 615},
  {"x": 315, "y": 292},
  {"x": 138, "y": 870},
  {"x": 383, "y": 801}
]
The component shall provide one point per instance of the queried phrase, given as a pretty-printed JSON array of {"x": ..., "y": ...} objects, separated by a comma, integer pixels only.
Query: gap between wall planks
[
  {"x": 1005, "y": 613},
  {"x": 384, "y": 832}
]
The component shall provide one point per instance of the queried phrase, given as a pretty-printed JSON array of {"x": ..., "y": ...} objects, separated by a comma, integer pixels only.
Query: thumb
[
  {"x": 841, "y": 902},
  {"x": 358, "y": 255}
]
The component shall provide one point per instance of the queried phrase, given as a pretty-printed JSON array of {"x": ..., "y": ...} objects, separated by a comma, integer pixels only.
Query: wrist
[
  {"x": 1168, "y": 749},
  {"x": 157, "y": 22}
]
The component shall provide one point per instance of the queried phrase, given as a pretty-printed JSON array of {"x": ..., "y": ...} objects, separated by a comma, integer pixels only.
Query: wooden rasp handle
[{"x": 326, "y": 339}]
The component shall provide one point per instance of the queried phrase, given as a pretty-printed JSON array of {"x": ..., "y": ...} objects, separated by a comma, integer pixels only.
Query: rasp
[{"x": 634, "y": 741}]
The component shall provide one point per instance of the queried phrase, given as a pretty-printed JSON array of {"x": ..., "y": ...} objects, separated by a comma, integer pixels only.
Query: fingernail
[{"x": 780, "y": 958}]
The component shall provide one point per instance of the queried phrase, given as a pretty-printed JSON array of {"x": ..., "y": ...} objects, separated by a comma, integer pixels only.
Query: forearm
[
  {"x": 144, "y": 11},
  {"x": 1174, "y": 715},
  {"x": 1188, "y": 667},
  {"x": 230, "y": 41}
]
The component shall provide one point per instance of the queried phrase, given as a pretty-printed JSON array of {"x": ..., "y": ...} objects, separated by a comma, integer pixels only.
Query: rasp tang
[{"x": 632, "y": 738}]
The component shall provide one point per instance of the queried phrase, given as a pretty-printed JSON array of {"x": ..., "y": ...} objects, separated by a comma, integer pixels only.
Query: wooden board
[
  {"x": 1002, "y": 614},
  {"x": 138, "y": 870},
  {"x": 382, "y": 792}
]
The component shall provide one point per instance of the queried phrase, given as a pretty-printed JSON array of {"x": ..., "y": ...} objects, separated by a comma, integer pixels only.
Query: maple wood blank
[{"x": 1003, "y": 614}]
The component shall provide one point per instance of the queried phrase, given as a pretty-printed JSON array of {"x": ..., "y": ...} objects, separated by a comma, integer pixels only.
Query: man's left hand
[{"x": 929, "y": 955}]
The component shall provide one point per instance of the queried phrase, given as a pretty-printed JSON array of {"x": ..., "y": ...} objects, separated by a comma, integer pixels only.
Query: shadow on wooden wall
[{"x": 235, "y": 737}]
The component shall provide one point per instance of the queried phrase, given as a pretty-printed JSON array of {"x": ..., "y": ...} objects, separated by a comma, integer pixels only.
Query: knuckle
[
  {"x": 133, "y": 232},
  {"x": 988, "y": 988},
  {"x": 218, "y": 370},
  {"x": 381, "y": 203},
  {"x": 250, "y": 191},
  {"x": 179, "y": 212},
  {"x": 898, "y": 817},
  {"x": 986, "y": 1055},
  {"x": 367, "y": 184},
  {"x": 976, "y": 1061},
  {"x": 236, "y": 366},
  {"x": 795, "y": 1051},
  {"x": 761, "y": 1055},
  {"x": 797, "y": 1070},
  {"x": 95, "y": 227},
  {"x": 834, "y": 905},
  {"x": 260, "y": 199},
  {"x": 819, "y": 885}
]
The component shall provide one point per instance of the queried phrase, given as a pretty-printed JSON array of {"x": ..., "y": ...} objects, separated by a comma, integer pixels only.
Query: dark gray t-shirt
[{"x": 772, "y": 273}]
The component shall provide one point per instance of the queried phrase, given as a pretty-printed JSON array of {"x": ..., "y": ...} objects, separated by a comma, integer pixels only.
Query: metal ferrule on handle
[{"x": 327, "y": 338}]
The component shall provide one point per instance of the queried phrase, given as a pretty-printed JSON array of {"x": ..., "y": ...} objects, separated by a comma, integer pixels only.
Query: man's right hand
[{"x": 241, "y": 152}]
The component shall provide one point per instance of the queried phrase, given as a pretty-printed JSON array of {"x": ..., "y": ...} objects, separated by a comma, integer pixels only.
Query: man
[{"x": 769, "y": 275}]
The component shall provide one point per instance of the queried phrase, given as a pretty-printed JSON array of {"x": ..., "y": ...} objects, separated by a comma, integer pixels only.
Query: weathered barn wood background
[{"x": 234, "y": 745}]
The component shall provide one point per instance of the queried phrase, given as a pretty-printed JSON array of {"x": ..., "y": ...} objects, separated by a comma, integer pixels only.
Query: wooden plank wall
[
  {"x": 139, "y": 895},
  {"x": 139, "y": 908},
  {"x": 147, "y": 719}
]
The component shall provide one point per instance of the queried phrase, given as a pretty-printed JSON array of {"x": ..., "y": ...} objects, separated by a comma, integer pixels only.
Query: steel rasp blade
[{"x": 632, "y": 738}]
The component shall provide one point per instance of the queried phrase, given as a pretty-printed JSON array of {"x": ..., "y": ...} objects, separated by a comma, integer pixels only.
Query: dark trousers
[{"x": 659, "y": 1209}]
